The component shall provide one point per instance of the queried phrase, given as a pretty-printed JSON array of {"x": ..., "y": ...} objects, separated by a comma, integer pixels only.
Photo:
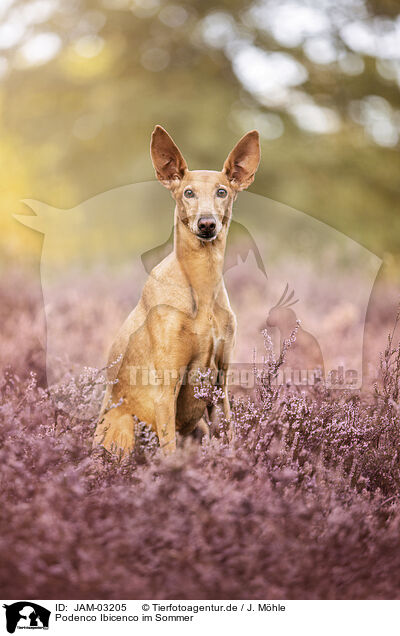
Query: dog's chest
[{"x": 211, "y": 334}]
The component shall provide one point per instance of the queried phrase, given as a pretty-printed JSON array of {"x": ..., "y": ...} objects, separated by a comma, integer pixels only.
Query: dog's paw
[
  {"x": 168, "y": 447},
  {"x": 119, "y": 438}
]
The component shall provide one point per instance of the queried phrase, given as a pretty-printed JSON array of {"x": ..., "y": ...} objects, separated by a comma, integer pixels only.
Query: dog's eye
[
  {"x": 189, "y": 194},
  {"x": 221, "y": 193}
]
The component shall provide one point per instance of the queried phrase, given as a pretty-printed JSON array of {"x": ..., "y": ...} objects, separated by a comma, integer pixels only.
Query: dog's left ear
[
  {"x": 167, "y": 159},
  {"x": 242, "y": 163}
]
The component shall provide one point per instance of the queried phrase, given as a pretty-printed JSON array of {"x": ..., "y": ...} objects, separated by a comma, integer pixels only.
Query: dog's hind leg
[{"x": 116, "y": 432}]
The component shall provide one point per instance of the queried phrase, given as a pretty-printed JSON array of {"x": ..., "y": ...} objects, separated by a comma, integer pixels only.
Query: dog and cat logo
[
  {"x": 288, "y": 249},
  {"x": 26, "y": 615}
]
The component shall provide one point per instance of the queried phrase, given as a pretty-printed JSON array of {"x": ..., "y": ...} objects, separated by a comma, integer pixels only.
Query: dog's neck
[{"x": 201, "y": 261}]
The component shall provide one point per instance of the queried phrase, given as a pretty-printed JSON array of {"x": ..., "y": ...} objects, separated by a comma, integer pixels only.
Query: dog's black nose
[{"x": 206, "y": 225}]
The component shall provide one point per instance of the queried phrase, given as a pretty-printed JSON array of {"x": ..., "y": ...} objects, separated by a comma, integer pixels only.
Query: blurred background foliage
[{"x": 83, "y": 82}]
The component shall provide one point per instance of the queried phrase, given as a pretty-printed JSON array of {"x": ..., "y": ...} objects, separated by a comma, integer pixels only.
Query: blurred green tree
[{"x": 84, "y": 82}]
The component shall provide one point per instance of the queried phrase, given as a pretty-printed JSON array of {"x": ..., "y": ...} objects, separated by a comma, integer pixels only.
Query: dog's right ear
[{"x": 167, "y": 159}]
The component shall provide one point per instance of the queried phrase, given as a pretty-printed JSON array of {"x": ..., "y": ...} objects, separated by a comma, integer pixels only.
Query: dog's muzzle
[{"x": 207, "y": 227}]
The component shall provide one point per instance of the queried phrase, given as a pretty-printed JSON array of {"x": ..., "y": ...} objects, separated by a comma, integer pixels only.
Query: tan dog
[{"x": 183, "y": 320}]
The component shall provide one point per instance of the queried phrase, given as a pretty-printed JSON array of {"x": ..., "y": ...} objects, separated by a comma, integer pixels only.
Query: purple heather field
[{"x": 302, "y": 504}]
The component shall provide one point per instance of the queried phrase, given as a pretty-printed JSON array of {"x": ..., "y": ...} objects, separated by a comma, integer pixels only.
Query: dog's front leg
[
  {"x": 225, "y": 401},
  {"x": 165, "y": 412},
  {"x": 223, "y": 360},
  {"x": 223, "y": 405},
  {"x": 226, "y": 405}
]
